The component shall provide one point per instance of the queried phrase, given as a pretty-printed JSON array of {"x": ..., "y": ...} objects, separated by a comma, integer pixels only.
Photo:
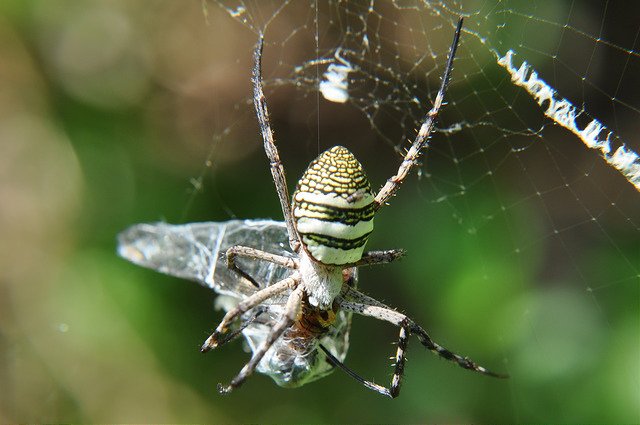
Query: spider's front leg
[
  {"x": 394, "y": 390},
  {"x": 245, "y": 305},
  {"x": 292, "y": 309},
  {"x": 356, "y": 302},
  {"x": 257, "y": 312}
]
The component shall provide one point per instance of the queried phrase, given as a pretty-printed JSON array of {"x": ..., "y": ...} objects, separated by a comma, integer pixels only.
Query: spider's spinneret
[{"x": 333, "y": 208}]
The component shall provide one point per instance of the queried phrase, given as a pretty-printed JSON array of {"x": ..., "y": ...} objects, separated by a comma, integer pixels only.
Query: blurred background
[{"x": 523, "y": 246}]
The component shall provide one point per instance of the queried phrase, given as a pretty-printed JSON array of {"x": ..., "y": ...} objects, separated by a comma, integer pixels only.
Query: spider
[
  {"x": 294, "y": 307},
  {"x": 328, "y": 222}
]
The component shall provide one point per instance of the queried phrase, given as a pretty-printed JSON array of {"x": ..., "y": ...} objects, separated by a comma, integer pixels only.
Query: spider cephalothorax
[{"x": 333, "y": 208}]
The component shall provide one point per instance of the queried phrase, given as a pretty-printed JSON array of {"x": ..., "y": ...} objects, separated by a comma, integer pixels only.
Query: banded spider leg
[{"x": 356, "y": 302}]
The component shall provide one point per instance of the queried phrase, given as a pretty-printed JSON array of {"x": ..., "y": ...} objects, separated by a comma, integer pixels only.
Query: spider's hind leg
[
  {"x": 422, "y": 138},
  {"x": 270, "y": 149}
]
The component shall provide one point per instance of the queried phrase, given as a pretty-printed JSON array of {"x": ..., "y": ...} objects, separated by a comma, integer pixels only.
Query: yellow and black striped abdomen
[{"x": 333, "y": 208}]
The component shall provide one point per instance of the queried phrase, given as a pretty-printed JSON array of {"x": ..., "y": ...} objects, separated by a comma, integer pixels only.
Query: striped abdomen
[{"x": 333, "y": 208}]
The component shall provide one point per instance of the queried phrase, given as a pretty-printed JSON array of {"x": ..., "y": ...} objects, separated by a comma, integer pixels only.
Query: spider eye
[{"x": 333, "y": 208}]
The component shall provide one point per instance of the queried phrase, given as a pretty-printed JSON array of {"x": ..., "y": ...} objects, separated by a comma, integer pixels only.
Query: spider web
[{"x": 533, "y": 174}]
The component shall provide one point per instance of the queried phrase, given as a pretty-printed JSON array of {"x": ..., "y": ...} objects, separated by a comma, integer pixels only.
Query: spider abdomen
[{"x": 333, "y": 208}]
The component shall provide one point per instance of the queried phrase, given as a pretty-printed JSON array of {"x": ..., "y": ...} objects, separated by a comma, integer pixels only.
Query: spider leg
[
  {"x": 370, "y": 258},
  {"x": 394, "y": 390},
  {"x": 245, "y": 305},
  {"x": 292, "y": 310},
  {"x": 237, "y": 332},
  {"x": 357, "y": 302},
  {"x": 277, "y": 170},
  {"x": 245, "y": 251},
  {"x": 403, "y": 341},
  {"x": 371, "y": 385},
  {"x": 411, "y": 158}
]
